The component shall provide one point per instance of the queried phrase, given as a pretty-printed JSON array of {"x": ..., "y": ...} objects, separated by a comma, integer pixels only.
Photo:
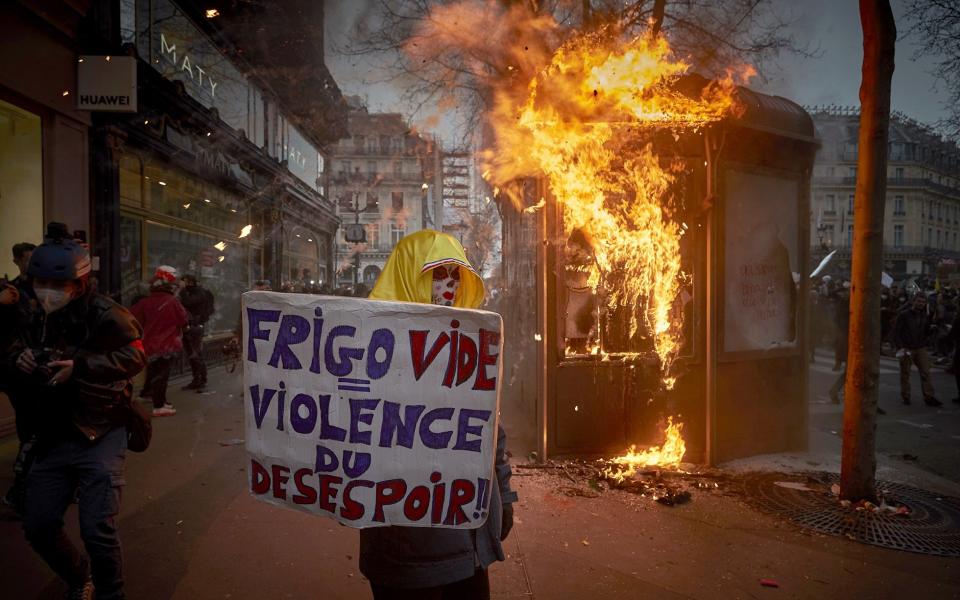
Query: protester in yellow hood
[
  {"x": 430, "y": 267},
  {"x": 425, "y": 267}
]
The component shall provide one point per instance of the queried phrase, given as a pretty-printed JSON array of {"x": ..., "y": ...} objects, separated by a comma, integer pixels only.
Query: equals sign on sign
[{"x": 353, "y": 385}]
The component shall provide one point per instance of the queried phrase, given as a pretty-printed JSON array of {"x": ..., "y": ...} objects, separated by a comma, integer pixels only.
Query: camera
[{"x": 43, "y": 358}]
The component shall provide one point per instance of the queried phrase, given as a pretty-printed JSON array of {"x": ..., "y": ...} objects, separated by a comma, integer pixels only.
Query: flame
[
  {"x": 667, "y": 455},
  {"x": 585, "y": 123}
]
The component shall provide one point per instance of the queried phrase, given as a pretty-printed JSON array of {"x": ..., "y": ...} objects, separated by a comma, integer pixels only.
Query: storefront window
[
  {"x": 181, "y": 52},
  {"x": 174, "y": 194},
  {"x": 302, "y": 264},
  {"x": 21, "y": 182},
  {"x": 223, "y": 272},
  {"x": 131, "y": 180},
  {"x": 171, "y": 218},
  {"x": 131, "y": 267}
]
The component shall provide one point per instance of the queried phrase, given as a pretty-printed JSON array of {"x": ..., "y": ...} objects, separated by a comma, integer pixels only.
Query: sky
[{"x": 832, "y": 77}]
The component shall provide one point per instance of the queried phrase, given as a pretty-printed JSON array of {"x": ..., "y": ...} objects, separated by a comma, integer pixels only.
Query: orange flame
[
  {"x": 584, "y": 124},
  {"x": 668, "y": 455}
]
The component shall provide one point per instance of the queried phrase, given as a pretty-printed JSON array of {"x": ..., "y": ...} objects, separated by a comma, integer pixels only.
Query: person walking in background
[
  {"x": 198, "y": 301},
  {"x": 954, "y": 337},
  {"x": 910, "y": 338},
  {"x": 841, "y": 310},
  {"x": 163, "y": 318}
]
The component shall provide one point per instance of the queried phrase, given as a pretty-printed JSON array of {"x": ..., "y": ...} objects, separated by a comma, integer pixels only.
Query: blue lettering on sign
[
  {"x": 310, "y": 415},
  {"x": 381, "y": 339},
  {"x": 260, "y": 403},
  {"x": 254, "y": 318},
  {"x": 344, "y": 366},
  {"x": 294, "y": 329},
  {"x": 337, "y": 353}
]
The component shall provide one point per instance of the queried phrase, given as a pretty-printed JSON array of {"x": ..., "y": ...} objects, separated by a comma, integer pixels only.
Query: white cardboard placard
[{"x": 369, "y": 412}]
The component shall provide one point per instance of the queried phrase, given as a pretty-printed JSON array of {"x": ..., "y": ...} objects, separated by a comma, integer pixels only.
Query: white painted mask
[{"x": 446, "y": 280}]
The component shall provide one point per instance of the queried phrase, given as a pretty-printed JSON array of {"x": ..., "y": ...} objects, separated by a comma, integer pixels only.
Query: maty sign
[{"x": 373, "y": 413}]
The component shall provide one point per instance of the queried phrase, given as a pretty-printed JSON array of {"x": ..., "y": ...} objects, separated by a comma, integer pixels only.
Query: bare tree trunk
[
  {"x": 659, "y": 10},
  {"x": 859, "y": 463}
]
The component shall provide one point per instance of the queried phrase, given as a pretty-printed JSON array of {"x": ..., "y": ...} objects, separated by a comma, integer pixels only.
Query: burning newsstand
[{"x": 653, "y": 266}]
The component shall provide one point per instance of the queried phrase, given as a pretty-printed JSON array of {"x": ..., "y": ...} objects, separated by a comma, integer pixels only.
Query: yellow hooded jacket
[{"x": 407, "y": 275}]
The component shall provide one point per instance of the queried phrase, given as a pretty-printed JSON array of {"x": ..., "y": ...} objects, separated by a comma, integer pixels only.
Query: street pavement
[
  {"x": 925, "y": 436},
  {"x": 191, "y": 530}
]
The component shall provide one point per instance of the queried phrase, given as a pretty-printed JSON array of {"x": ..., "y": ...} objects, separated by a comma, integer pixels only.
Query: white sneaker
[{"x": 167, "y": 410}]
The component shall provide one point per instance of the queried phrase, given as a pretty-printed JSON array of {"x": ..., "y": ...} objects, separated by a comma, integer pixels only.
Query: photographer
[{"x": 74, "y": 365}]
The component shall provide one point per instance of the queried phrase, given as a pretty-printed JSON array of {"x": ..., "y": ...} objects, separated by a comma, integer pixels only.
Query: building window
[
  {"x": 398, "y": 169},
  {"x": 396, "y": 233},
  {"x": 898, "y": 236},
  {"x": 939, "y": 211},
  {"x": 899, "y": 172},
  {"x": 370, "y": 274},
  {"x": 929, "y": 240},
  {"x": 899, "y": 209},
  {"x": 373, "y": 235},
  {"x": 954, "y": 240},
  {"x": 830, "y": 203},
  {"x": 849, "y": 235},
  {"x": 358, "y": 143},
  {"x": 396, "y": 198},
  {"x": 853, "y": 172},
  {"x": 828, "y": 234},
  {"x": 850, "y": 204},
  {"x": 831, "y": 172},
  {"x": 939, "y": 242},
  {"x": 373, "y": 203}
]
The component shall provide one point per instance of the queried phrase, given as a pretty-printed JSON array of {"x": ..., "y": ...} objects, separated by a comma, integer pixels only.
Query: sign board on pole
[
  {"x": 107, "y": 83},
  {"x": 369, "y": 412}
]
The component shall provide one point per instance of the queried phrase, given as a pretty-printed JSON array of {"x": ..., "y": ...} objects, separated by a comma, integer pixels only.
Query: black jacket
[
  {"x": 911, "y": 329},
  {"x": 103, "y": 339},
  {"x": 199, "y": 304}
]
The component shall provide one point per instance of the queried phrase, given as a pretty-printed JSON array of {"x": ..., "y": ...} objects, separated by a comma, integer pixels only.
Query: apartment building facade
[
  {"x": 922, "y": 216},
  {"x": 386, "y": 177}
]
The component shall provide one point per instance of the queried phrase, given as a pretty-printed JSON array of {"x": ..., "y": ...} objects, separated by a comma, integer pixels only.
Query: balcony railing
[{"x": 893, "y": 182}]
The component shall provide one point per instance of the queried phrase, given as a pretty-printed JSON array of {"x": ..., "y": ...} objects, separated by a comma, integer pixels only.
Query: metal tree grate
[{"x": 931, "y": 527}]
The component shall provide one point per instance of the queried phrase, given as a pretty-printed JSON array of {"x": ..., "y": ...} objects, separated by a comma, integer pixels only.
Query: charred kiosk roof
[{"x": 773, "y": 115}]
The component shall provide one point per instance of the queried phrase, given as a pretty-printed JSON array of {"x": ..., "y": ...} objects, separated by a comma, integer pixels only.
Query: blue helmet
[{"x": 59, "y": 257}]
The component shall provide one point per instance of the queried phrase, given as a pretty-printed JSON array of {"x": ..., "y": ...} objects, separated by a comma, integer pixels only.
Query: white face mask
[
  {"x": 446, "y": 280},
  {"x": 52, "y": 299}
]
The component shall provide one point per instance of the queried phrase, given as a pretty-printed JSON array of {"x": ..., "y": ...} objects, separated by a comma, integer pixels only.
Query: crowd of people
[
  {"x": 919, "y": 325},
  {"x": 68, "y": 356}
]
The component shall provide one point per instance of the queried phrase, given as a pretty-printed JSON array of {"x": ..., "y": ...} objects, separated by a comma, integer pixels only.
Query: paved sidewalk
[{"x": 191, "y": 531}]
